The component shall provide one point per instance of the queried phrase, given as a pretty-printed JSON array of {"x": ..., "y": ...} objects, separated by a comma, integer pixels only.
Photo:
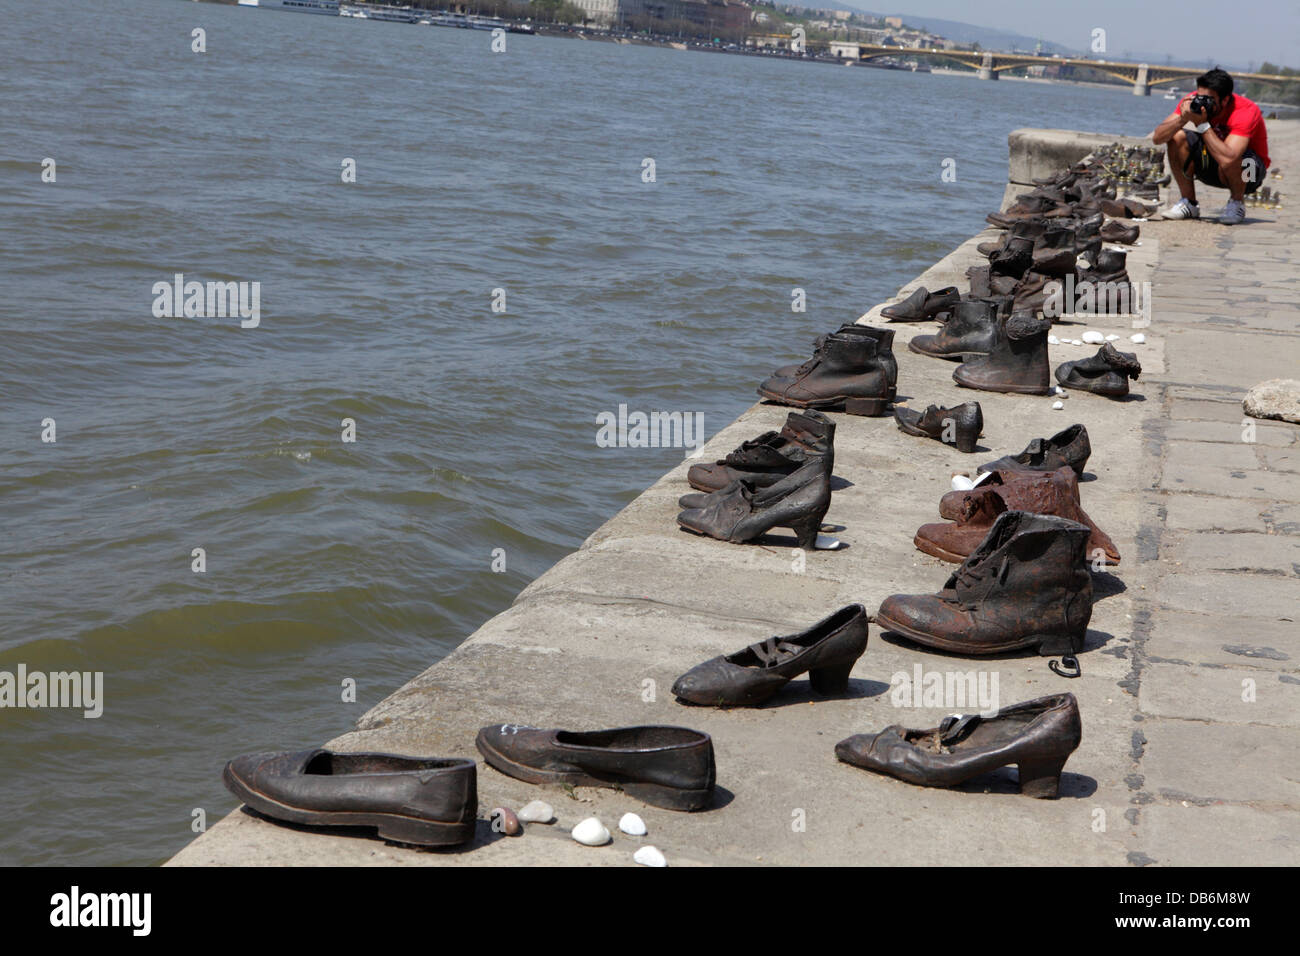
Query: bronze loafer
[
  {"x": 427, "y": 801},
  {"x": 669, "y": 767}
]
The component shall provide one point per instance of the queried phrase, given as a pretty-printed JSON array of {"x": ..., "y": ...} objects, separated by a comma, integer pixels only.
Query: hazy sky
[{"x": 1189, "y": 30}]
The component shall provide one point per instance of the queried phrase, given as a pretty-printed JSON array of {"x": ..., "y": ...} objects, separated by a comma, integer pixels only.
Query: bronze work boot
[
  {"x": 846, "y": 374},
  {"x": 1037, "y": 736},
  {"x": 972, "y": 330},
  {"x": 884, "y": 350},
  {"x": 1045, "y": 493},
  {"x": 1027, "y": 584},
  {"x": 1016, "y": 363}
]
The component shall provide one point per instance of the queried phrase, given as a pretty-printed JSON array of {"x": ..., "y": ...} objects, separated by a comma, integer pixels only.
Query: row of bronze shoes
[
  {"x": 1020, "y": 537},
  {"x": 1000, "y": 348},
  {"x": 433, "y": 801}
]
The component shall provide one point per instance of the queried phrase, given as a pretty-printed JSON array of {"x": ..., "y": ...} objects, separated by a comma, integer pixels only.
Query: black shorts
[{"x": 1202, "y": 166}]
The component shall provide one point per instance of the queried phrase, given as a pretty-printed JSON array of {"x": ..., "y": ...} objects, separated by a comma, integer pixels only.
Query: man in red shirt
[{"x": 1228, "y": 148}]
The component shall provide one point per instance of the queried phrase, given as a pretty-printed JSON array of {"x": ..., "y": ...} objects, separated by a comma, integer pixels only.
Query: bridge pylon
[{"x": 1140, "y": 85}]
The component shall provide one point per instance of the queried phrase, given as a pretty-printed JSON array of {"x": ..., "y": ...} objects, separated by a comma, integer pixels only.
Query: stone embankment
[{"x": 1190, "y": 693}]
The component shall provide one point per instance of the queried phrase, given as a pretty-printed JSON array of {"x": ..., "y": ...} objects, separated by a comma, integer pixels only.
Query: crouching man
[{"x": 1228, "y": 148}]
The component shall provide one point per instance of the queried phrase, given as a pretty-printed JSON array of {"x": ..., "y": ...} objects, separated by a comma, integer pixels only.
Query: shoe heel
[
  {"x": 966, "y": 443},
  {"x": 830, "y": 680},
  {"x": 867, "y": 407},
  {"x": 669, "y": 798},
  {"x": 807, "y": 529},
  {"x": 1041, "y": 778}
]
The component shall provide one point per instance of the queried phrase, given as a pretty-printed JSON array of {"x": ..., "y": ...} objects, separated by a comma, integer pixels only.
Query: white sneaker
[
  {"x": 1233, "y": 213},
  {"x": 1184, "y": 209}
]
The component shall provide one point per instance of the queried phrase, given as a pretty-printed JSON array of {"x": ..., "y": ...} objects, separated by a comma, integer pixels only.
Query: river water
[{"x": 324, "y": 560}]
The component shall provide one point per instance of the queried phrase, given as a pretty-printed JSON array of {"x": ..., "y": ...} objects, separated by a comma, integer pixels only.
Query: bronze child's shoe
[
  {"x": 1037, "y": 736},
  {"x": 669, "y": 767},
  {"x": 827, "y": 651},
  {"x": 959, "y": 426}
]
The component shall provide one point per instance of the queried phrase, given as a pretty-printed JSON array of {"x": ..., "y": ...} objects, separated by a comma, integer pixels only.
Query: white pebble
[
  {"x": 1057, "y": 390},
  {"x": 591, "y": 832},
  {"x": 1058, "y": 405},
  {"x": 1093, "y": 338},
  {"x": 1053, "y": 340},
  {"x": 825, "y": 542},
  {"x": 1112, "y": 338},
  {"x": 649, "y": 856},
  {"x": 539, "y": 811},
  {"x": 1137, "y": 339},
  {"x": 632, "y": 824},
  {"x": 962, "y": 483},
  {"x": 1075, "y": 342}
]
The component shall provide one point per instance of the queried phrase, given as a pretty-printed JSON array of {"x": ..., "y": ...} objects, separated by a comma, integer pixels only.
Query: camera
[{"x": 1203, "y": 103}]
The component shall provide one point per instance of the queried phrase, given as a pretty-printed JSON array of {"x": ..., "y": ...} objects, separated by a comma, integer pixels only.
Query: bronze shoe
[
  {"x": 1027, "y": 584},
  {"x": 959, "y": 426},
  {"x": 974, "y": 511},
  {"x": 426, "y": 801},
  {"x": 826, "y": 651},
  {"x": 1037, "y": 736},
  {"x": 669, "y": 767}
]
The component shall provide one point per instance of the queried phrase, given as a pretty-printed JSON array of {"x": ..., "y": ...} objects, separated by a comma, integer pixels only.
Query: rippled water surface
[{"x": 475, "y": 430}]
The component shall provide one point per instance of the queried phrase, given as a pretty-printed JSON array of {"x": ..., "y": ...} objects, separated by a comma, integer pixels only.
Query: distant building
[
  {"x": 721, "y": 15},
  {"x": 601, "y": 12},
  {"x": 895, "y": 22}
]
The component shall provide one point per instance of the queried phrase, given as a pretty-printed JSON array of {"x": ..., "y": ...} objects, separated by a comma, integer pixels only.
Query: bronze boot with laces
[{"x": 1026, "y": 584}]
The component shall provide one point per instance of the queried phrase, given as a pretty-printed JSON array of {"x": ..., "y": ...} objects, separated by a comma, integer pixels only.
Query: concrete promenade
[{"x": 1190, "y": 694}]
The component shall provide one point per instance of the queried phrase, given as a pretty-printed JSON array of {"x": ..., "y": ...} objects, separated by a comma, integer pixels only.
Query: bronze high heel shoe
[{"x": 1038, "y": 736}]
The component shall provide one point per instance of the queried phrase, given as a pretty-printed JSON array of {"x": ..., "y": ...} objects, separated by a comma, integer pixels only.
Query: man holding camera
[{"x": 1228, "y": 148}]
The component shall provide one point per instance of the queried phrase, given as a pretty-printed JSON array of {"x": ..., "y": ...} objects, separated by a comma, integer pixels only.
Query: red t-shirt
[{"x": 1244, "y": 119}]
